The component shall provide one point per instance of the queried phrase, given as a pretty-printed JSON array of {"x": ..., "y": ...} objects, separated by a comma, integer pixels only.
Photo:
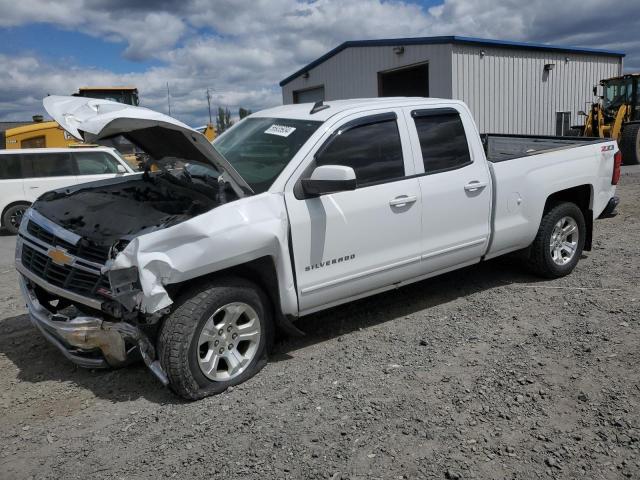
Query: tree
[
  {"x": 244, "y": 112},
  {"x": 223, "y": 120}
]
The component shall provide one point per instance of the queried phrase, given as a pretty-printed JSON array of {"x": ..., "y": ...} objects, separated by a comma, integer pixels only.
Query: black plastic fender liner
[
  {"x": 285, "y": 324},
  {"x": 610, "y": 209}
]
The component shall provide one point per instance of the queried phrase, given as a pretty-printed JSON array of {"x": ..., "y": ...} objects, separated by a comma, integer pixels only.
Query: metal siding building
[{"x": 505, "y": 84}]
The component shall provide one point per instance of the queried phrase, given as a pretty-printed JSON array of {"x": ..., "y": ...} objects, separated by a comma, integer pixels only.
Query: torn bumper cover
[{"x": 90, "y": 342}]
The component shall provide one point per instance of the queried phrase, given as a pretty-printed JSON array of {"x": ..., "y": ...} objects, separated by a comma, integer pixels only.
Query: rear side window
[
  {"x": 50, "y": 164},
  {"x": 10, "y": 167},
  {"x": 442, "y": 140},
  {"x": 373, "y": 150},
  {"x": 95, "y": 163}
]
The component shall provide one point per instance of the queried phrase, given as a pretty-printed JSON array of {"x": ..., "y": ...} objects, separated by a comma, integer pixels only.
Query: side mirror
[
  {"x": 581, "y": 112},
  {"x": 121, "y": 169},
  {"x": 329, "y": 179}
]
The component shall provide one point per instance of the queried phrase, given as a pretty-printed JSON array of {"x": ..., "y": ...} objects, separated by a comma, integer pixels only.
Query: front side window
[
  {"x": 260, "y": 148},
  {"x": 51, "y": 165},
  {"x": 373, "y": 150},
  {"x": 95, "y": 163},
  {"x": 442, "y": 140}
]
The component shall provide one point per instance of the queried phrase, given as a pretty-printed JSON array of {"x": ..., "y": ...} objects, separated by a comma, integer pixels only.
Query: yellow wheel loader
[{"x": 617, "y": 115}]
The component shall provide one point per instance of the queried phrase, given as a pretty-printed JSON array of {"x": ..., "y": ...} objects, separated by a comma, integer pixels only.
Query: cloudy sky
[{"x": 241, "y": 49}]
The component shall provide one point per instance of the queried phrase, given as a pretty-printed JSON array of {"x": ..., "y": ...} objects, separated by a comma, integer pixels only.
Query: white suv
[{"x": 26, "y": 174}]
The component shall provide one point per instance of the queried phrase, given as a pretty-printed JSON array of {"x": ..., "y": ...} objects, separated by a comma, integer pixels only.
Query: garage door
[
  {"x": 404, "y": 82},
  {"x": 309, "y": 95}
]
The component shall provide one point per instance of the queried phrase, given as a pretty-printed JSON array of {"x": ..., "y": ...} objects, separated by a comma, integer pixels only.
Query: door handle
[
  {"x": 33, "y": 188},
  {"x": 402, "y": 200},
  {"x": 474, "y": 185}
]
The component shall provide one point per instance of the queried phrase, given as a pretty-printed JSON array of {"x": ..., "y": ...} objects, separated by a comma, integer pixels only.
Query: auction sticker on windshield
[{"x": 280, "y": 130}]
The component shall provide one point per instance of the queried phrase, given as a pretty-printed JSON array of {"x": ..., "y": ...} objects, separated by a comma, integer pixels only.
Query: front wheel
[
  {"x": 558, "y": 245},
  {"x": 13, "y": 217},
  {"x": 217, "y": 336}
]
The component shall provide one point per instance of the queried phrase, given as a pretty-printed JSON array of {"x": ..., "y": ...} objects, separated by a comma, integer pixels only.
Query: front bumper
[{"x": 90, "y": 342}]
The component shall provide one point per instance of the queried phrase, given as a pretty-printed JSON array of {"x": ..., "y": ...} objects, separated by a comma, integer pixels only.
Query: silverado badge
[{"x": 59, "y": 256}]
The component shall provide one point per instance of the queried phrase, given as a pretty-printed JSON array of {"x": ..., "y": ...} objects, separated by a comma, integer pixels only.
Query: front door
[{"x": 348, "y": 243}]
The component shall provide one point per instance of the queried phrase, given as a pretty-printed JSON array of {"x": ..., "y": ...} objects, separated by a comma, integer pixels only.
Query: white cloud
[{"x": 242, "y": 48}]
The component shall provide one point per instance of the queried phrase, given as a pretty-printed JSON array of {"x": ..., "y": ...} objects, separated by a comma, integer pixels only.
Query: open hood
[{"x": 90, "y": 119}]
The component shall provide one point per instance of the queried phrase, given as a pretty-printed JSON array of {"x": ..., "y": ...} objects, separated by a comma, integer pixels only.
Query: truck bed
[{"x": 503, "y": 147}]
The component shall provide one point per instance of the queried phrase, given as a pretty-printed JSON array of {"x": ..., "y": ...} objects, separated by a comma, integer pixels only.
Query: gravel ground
[{"x": 483, "y": 373}]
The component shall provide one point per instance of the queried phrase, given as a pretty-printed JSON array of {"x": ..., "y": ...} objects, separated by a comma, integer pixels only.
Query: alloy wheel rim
[
  {"x": 564, "y": 241},
  {"x": 228, "y": 341}
]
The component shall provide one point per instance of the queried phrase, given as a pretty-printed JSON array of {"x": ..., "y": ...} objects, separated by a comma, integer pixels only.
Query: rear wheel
[
  {"x": 216, "y": 337},
  {"x": 13, "y": 217},
  {"x": 630, "y": 144},
  {"x": 558, "y": 245}
]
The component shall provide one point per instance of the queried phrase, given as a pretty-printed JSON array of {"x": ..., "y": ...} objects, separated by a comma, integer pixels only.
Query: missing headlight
[
  {"x": 117, "y": 247},
  {"x": 125, "y": 286}
]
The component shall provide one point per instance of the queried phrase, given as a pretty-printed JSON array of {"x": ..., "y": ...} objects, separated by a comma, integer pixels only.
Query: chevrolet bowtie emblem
[{"x": 59, "y": 256}]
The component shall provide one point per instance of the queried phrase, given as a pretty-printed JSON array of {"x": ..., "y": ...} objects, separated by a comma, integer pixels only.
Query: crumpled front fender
[{"x": 227, "y": 236}]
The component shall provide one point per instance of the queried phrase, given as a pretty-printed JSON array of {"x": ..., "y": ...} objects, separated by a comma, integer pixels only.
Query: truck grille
[
  {"x": 93, "y": 253},
  {"x": 63, "y": 276},
  {"x": 69, "y": 278}
]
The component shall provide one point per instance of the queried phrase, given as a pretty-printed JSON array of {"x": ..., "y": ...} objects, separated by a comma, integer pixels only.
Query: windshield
[{"x": 260, "y": 148}]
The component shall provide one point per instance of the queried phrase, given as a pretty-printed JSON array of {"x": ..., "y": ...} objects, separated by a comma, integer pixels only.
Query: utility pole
[
  {"x": 209, "y": 103},
  {"x": 168, "y": 99}
]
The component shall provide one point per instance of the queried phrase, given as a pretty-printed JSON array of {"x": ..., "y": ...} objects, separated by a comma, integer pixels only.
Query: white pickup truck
[{"x": 293, "y": 210}]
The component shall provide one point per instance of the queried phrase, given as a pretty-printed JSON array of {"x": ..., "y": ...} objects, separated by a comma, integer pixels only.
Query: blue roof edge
[{"x": 390, "y": 42}]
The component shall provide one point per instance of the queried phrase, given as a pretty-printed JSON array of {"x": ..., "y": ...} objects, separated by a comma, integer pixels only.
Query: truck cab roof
[{"x": 302, "y": 111}]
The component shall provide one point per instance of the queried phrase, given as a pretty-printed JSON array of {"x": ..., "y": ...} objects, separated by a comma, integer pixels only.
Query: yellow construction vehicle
[
  {"x": 208, "y": 131},
  {"x": 126, "y": 95},
  {"x": 50, "y": 135},
  {"x": 616, "y": 114},
  {"x": 38, "y": 135}
]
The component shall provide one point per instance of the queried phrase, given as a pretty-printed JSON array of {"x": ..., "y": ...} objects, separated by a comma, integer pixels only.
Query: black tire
[
  {"x": 630, "y": 144},
  {"x": 540, "y": 259},
  {"x": 13, "y": 216},
  {"x": 178, "y": 337}
]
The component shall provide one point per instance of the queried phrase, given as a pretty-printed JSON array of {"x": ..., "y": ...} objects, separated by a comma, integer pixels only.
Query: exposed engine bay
[{"x": 119, "y": 209}]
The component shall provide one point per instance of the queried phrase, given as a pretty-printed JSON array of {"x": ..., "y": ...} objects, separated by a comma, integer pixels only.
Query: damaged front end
[
  {"x": 81, "y": 338},
  {"x": 87, "y": 311},
  {"x": 100, "y": 262}
]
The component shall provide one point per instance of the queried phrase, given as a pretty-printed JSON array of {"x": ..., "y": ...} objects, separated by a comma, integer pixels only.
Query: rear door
[
  {"x": 46, "y": 171},
  {"x": 455, "y": 188},
  {"x": 352, "y": 242}
]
